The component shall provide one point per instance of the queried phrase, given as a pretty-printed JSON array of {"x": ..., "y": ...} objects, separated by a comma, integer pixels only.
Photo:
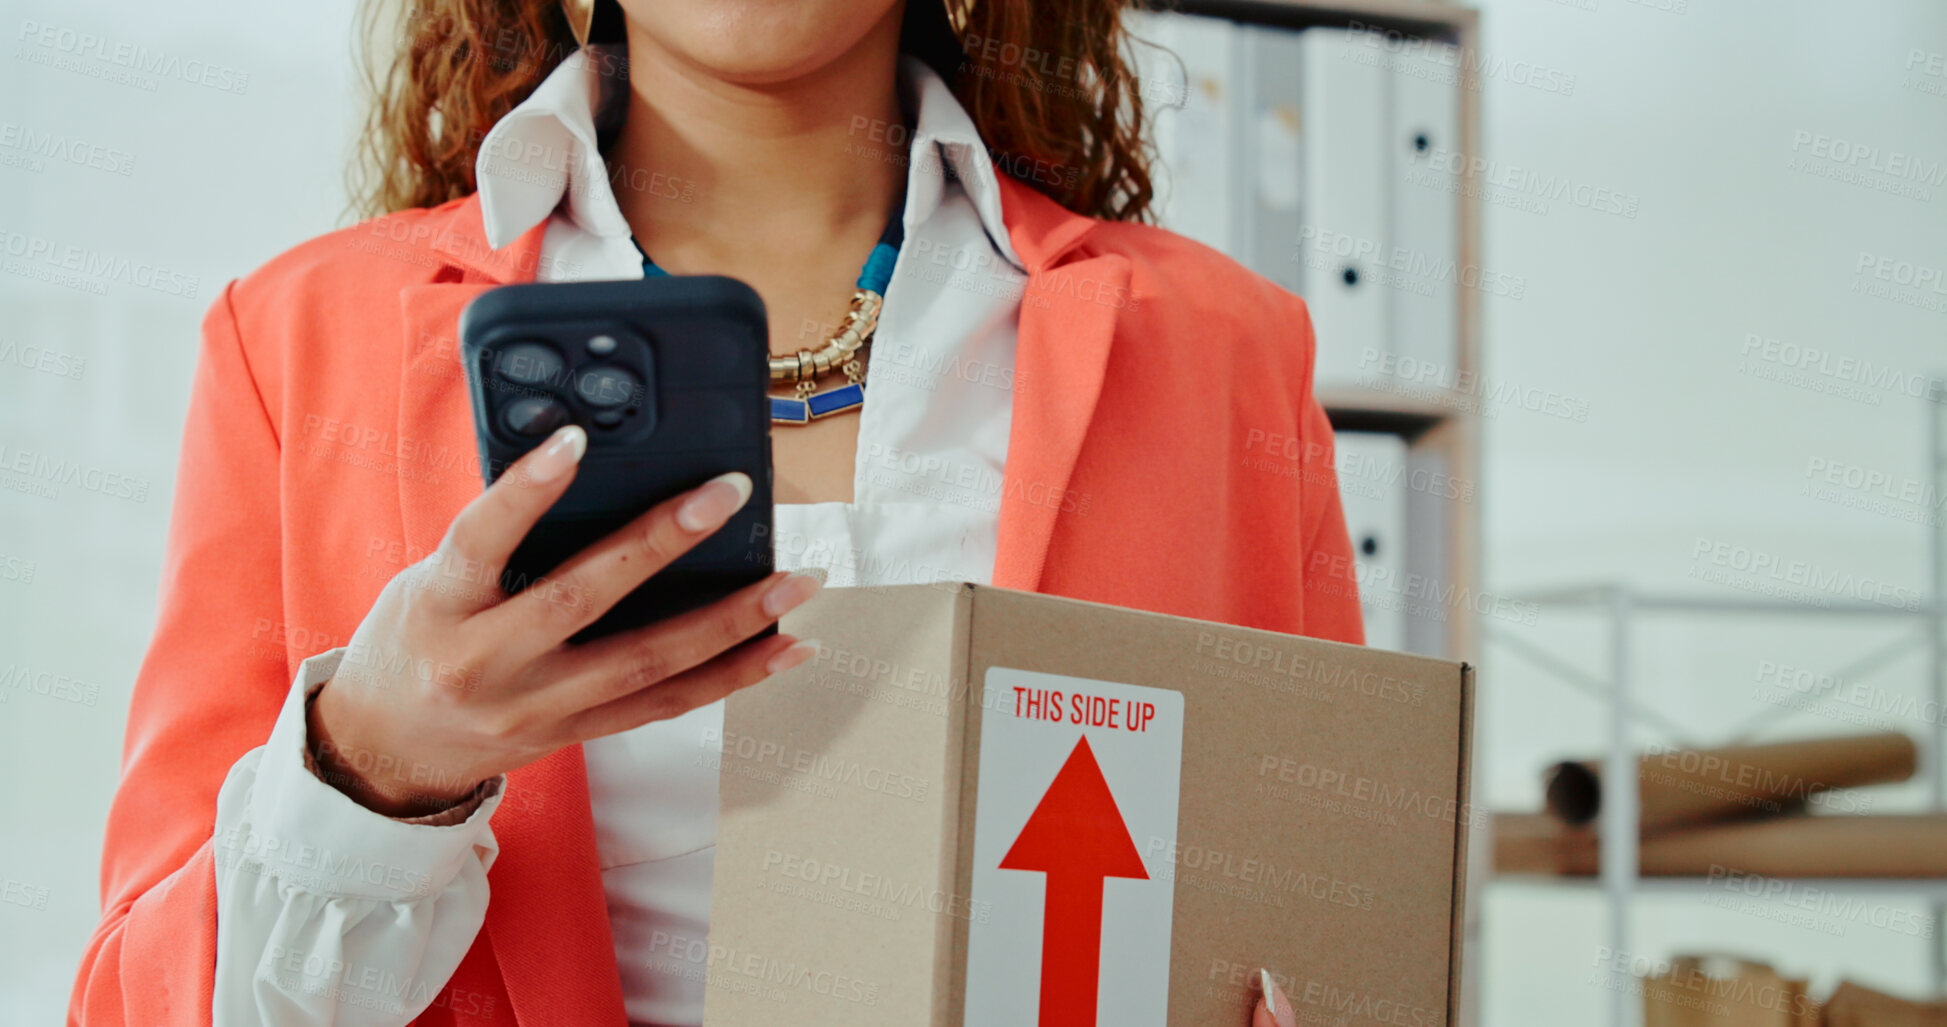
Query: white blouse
[{"x": 932, "y": 442}]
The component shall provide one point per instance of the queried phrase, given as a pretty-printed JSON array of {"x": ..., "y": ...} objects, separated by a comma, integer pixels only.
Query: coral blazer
[{"x": 1166, "y": 454}]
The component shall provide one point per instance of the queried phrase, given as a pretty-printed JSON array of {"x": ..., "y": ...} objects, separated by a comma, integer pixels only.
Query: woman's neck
[{"x": 736, "y": 178}]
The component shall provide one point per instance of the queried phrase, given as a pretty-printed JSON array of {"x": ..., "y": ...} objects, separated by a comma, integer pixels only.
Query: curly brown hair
[{"x": 1046, "y": 82}]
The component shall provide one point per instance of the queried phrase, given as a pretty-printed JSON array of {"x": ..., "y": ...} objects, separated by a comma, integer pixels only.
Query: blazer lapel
[
  {"x": 439, "y": 469},
  {"x": 1068, "y": 320},
  {"x": 547, "y": 924}
]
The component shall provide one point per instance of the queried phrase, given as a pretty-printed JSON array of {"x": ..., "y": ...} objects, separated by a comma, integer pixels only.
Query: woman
[{"x": 339, "y": 699}]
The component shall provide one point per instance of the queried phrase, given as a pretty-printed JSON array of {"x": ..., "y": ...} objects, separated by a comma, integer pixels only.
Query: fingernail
[
  {"x": 789, "y": 594},
  {"x": 1281, "y": 1010},
  {"x": 561, "y": 452},
  {"x": 798, "y": 653},
  {"x": 714, "y": 502}
]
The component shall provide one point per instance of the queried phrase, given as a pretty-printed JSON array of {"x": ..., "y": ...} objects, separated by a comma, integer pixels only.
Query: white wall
[
  {"x": 217, "y": 182},
  {"x": 1643, "y": 319}
]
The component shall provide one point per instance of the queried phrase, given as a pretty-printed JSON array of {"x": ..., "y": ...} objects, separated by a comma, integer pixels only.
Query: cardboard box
[
  {"x": 909, "y": 817},
  {"x": 1725, "y": 991}
]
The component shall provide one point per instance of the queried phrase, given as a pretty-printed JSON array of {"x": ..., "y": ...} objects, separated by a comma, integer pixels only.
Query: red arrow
[{"x": 1076, "y": 836}]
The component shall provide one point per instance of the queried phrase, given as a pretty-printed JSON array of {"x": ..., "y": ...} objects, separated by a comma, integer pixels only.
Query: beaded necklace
[{"x": 839, "y": 353}]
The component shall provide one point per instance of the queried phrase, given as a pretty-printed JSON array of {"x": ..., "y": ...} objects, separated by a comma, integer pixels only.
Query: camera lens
[
  {"x": 534, "y": 415},
  {"x": 608, "y": 385},
  {"x": 528, "y": 363}
]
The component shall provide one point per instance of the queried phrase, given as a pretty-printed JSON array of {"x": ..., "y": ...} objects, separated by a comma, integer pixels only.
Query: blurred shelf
[
  {"x": 1929, "y": 887},
  {"x": 1435, "y": 20},
  {"x": 1602, "y": 596},
  {"x": 1391, "y": 412},
  {"x": 1618, "y": 848}
]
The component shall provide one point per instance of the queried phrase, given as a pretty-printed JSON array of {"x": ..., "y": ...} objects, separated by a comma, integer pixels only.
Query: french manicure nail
[
  {"x": 562, "y": 451},
  {"x": 712, "y": 504},
  {"x": 789, "y": 594},
  {"x": 799, "y": 652},
  {"x": 1280, "y": 1006}
]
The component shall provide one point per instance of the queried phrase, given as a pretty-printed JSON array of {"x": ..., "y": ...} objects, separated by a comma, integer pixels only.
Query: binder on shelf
[
  {"x": 1323, "y": 159},
  {"x": 1424, "y": 151},
  {"x": 1434, "y": 500},
  {"x": 1193, "y": 111},
  {"x": 1372, "y": 476},
  {"x": 1341, "y": 241},
  {"x": 1272, "y": 174}
]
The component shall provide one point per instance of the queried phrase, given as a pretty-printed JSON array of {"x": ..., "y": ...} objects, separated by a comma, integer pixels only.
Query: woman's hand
[
  {"x": 1273, "y": 1009},
  {"x": 449, "y": 681}
]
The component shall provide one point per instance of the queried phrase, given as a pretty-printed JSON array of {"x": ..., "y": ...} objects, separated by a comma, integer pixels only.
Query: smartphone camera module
[
  {"x": 534, "y": 416},
  {"x": 529, "y": 363}
]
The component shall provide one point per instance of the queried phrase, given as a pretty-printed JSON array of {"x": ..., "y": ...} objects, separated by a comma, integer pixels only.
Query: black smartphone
[{"x": 668, "y": 375}]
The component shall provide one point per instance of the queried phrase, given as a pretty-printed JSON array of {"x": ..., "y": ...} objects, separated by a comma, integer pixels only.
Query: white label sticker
[{"x": 1074, "y": 830}]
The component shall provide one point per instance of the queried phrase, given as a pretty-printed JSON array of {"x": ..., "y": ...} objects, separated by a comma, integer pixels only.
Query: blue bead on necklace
[{"x": 807, "y": 403}]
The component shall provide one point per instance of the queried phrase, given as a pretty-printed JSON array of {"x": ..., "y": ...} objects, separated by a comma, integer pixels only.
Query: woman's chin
[{"x": 758, "y": 42}]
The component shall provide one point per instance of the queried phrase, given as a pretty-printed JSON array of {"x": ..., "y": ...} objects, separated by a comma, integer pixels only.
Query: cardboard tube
[
  {"x": 1699, "y": 786},
  {"x": 1901, "y": 846}
]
